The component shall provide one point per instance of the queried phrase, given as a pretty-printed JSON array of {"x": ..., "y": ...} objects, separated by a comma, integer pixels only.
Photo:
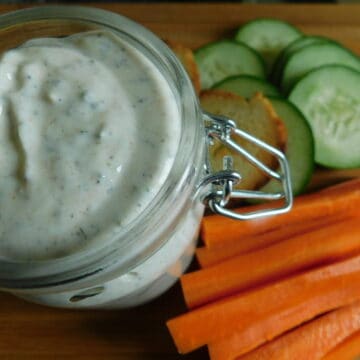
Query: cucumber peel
[
  {"x": 293, "y": 47},
  {"x": 221, "y": 59},
  {"x": 313, "y": 56},
  {"x": 329, "y": 97},
  {"x": 247, "y": 86},
  {"x": 299, "y": 148},
  {"x": 268, "y": 37}
]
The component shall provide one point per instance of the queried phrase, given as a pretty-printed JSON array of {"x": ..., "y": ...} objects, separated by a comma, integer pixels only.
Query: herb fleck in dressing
[{"x": 88, "y": 134}]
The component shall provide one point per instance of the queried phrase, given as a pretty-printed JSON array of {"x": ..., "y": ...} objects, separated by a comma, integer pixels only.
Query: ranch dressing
[{"x": 88, "y": 133}]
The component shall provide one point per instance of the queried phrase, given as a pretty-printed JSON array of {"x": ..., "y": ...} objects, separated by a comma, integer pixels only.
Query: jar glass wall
[{"x": 149, "y": 253}]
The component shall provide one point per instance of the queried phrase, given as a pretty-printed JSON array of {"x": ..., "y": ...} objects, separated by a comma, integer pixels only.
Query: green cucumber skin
[
  {"x": 224, "y": 58},
  {"x": 335, "y": 125},
  {"x": 255, "y": 32},
  {"x": 314, "y": 56},
  {"x": 247, "y": 86},
  {"x": 299, "y": 149},
  {"x": 293, "y": 47}
]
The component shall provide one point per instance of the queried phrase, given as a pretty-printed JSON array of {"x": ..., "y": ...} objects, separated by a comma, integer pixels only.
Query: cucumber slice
[
  {"x": 300, "y": 142},
  {"x": 329, "y": 97},
  {"x": 268, "y": 37},
  {"x": 299, "y": 148},
  {"x": 247, "y": 86},
  {"x": 294, "y": 46},
  {"x": 313, "y": 56},
  {"x": 221, "y": 59}
]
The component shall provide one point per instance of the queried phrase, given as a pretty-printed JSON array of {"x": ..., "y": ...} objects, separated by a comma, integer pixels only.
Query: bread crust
[
  {"x": 255, "y": 116},
  {"x": 187, "y": 58}
]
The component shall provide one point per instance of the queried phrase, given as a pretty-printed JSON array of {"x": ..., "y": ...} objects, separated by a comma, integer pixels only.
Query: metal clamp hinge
[{"x": 223, "y": 129}]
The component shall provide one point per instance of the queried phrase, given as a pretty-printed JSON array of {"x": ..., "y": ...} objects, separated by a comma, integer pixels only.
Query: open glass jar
[{"x": 138, "y": 260}]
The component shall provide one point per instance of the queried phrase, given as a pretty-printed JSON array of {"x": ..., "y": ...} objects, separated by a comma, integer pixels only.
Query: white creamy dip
[{"x": 88, "y": 135}]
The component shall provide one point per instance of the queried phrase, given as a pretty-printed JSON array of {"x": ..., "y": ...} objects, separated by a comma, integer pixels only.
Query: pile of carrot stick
[{"x": 281, "y": 287}]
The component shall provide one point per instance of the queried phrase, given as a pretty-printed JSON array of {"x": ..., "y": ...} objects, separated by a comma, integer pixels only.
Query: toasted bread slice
[
  {"x": 255, "y": 116},
  {"x": 186, "y": 57}
]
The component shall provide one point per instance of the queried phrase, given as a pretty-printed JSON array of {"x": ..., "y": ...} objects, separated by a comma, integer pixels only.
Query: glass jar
[{"x": 150, "y": 253}]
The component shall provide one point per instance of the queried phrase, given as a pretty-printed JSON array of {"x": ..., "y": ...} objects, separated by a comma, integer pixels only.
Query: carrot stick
[
  {"x": 347, "y": 350},
  {"x": 330, "y": 201},
  {"x": 326, "y": 177},
  {"x": 216, "y": 254},
  {"x": 318, "y": 247},
  {"x": 245, "y": 321},
  {"x": 313, "y": 340}
]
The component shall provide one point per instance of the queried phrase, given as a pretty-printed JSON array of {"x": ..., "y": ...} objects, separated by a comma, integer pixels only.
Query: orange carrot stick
[
  {"x": 347, "y": 350},
  {"x": 330, "y": 201},
  {"x": 245, "y": 321},
  {"x": 313, "y": 340},
  {"x": 216, "y": 254},
  {"x": 318, "y": 247}
]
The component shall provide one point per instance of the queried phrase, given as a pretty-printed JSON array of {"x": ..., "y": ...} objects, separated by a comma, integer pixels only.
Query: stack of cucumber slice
[{"x": 313, "y": 83}]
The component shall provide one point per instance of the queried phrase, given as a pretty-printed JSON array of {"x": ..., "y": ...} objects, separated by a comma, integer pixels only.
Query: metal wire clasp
[{"x": 223, "y": 129}]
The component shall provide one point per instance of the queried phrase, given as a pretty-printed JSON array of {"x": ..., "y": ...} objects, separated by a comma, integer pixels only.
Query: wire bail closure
[{"x": 221, "y": 183}]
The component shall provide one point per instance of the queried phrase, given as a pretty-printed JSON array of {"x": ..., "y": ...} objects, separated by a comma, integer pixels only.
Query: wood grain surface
[{"x": 29, "y": 331}]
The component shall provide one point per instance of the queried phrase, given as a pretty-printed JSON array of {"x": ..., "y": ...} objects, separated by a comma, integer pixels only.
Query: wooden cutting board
[{"x": 29, "y": 331}]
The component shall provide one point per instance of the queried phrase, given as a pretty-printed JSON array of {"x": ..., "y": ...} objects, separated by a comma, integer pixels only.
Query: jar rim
[{"x": 80, "y": 265}]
